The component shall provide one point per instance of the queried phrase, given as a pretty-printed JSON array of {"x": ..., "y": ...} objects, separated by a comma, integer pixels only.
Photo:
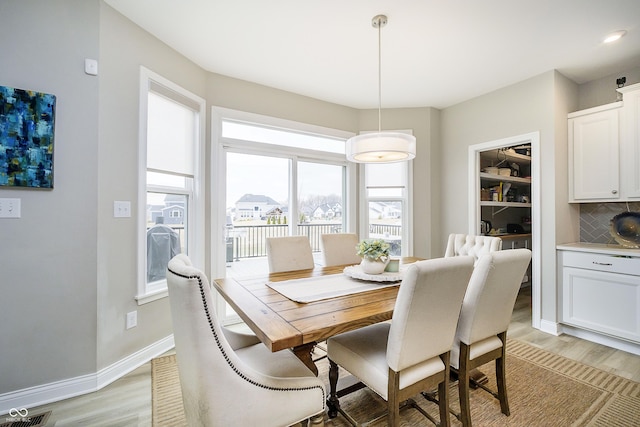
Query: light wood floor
[{"x": 127, "y": 402}]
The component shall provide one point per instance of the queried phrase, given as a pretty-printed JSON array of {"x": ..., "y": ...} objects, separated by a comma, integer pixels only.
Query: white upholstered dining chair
[
  {"x": 410, "y": 354},
  {"x": 289, "y": 253},
  {"x": 468, "y": 244},
  {"x": 339, "y": 249},
  {"x": 231, "y": 379},
  {"x": 481, "y": 334}
]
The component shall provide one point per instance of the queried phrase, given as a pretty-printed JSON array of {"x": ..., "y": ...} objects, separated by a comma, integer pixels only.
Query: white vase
[{"x": 373, "y": 267}]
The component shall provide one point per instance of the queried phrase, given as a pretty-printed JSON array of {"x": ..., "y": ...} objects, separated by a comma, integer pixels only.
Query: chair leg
[
  {"x": 443, "y": 403},
  {"x": 317, "y": 420},
  {"x": 501, "y": 376},
  {"x": 333, "y": 404},
  {"x": 463, "y": 386},
  {"x": 443, "y": 394},
  {"x": 393, "y": 416}
]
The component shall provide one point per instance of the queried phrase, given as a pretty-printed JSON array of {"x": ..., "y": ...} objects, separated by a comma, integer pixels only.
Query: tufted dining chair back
[
  {"x": 475, "y": 246},
  {"x": 231, "y": 379},
  {"x": 339, "y": 249}
]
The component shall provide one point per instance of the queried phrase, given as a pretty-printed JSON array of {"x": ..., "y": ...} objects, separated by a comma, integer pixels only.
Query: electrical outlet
[
  {"x": 132, "y": 319},
  {"x": 9, "y": 208}
]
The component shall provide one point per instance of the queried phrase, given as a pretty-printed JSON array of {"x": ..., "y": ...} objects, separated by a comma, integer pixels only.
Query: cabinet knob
[{"x": 614, "y": 191}]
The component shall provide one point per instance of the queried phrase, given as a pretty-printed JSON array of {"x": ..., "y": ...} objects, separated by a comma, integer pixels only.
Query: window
[
  {"x": 171, "y": 132},
  {"x": 387, "y": 202},
  {"x": 278, "y": 178}
]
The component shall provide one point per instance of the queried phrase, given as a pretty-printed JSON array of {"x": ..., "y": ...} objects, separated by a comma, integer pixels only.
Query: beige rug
[{"x": 544, "y": 390}]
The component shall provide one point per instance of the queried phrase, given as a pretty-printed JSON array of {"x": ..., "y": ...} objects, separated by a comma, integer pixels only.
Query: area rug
[{"x": 544, "y": 390}]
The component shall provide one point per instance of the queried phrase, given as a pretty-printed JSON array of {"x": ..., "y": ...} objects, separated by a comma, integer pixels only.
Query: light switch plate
[
  {"x": 121, "y": 209},
  {"x": 132, "y": 319},
  {"x": 9, "y": 208}
]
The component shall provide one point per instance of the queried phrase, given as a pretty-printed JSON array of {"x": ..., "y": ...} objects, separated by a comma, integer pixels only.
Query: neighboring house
[
  {"x": 337, "y": 210},
  {"x": 172, "y": 210},
  {"x": 325, "y": 211},
  {"x": 382, "y": 210},
  {"x": 252, "y": 206},
  {"x": 274, "y": 213}
]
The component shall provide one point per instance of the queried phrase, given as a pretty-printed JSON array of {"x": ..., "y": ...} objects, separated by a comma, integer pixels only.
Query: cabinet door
[
  {"x": 602, "y": 302},
  {"x": 630, "y": 145},
  {"x": 594, "y": 156}
]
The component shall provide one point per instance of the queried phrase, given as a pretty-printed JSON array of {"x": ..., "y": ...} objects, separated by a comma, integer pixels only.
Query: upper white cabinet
[
  {"x": 630, "y": 141},
  {"x": 594, "y": 154},
  {"x": 604, "y": 151}
]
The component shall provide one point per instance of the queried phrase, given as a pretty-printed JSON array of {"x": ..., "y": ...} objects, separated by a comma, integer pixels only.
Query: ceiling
[{"x": 434, "y": 52}]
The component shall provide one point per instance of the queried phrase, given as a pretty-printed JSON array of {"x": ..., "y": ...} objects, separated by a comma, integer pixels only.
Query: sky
[{"x": 269, "y": 176}]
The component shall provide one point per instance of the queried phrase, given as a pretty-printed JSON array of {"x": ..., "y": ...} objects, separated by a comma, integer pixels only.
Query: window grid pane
[
  {"x": 282, "y": 137},
  {"x": 385, "y": 222},
  {"x": 167, "y": 231}
]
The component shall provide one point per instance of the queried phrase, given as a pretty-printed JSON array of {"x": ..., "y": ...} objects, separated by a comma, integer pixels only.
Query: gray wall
[
  {"x": 528, "y": 106},
  {"x": 603, "y": 91},
  {"x": 425, "y": 125},
  {"x": 69, "y": 268},
  {"x": 48, "y": 260}
]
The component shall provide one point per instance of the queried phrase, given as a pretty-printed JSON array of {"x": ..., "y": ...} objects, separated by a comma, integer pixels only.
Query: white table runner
[{"x": 324, "y": 287}]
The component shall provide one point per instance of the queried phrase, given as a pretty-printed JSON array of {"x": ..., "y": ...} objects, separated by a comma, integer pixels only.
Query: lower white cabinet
[{"x": 601, "y": 292}]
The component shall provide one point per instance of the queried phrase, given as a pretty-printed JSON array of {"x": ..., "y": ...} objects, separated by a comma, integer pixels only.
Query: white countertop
[{"x": 611, "y": 249}]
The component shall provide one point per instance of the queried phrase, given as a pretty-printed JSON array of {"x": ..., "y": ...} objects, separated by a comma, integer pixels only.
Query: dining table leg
[{"x": 303, "y": 352}]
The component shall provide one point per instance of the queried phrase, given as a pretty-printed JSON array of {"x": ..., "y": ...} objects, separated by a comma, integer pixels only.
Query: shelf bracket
[{"x": 493, "y": 213}]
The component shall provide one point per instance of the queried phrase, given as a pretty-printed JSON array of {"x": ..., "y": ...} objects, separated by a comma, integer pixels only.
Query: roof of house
[{"x": 257, "y": 198}]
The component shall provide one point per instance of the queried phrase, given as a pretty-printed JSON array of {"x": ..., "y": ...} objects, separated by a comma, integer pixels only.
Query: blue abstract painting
[{"x": 27, "y": 122}]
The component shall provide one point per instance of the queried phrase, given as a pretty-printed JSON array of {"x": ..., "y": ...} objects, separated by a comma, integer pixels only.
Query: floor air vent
[{"x": 18, "y": 420}]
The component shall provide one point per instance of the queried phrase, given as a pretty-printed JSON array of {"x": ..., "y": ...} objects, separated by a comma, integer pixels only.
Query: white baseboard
[
  {"x": 552, "y": 328},
  {"x": 122, "y": 367},
  {"x": 612, "y": 342},
  {"x": 71, "y": 387}
]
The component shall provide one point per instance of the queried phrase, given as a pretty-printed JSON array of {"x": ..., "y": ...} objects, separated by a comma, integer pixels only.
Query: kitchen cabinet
[
  {"x": 600, "y": 291},
  {"x": 604, "y": 151},
  {"x": 630, "y": 142}
]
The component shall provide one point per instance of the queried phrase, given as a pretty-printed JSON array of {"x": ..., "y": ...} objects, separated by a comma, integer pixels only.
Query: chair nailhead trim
[{"x": 226, "y": 357}]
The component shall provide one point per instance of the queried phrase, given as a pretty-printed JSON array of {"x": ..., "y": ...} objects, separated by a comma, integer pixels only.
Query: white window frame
[
  {"x": 407, "y": 205},
  {"x": 220, "y": 146},
  {"x": 195, "y": 210}
]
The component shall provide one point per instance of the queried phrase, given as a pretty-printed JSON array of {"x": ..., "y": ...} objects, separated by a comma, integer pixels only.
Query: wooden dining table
[{"x": 281, "y": 323}]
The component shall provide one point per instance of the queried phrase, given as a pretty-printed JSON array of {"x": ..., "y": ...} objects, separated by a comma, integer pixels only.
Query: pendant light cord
[{"x": 379, "y": 75}]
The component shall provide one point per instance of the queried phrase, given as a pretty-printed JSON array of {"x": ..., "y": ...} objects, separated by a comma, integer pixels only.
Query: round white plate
[{"x": 355, "y": 271}]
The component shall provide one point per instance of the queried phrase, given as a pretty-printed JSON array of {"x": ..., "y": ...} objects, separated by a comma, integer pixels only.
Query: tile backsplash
[{"x": 595, "y": 220}]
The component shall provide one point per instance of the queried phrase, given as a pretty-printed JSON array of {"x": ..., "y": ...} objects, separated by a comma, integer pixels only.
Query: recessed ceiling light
[{"x": 614, "y": 36}]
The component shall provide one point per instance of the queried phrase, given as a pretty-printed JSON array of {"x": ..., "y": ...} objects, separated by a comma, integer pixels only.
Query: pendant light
[{"x": 380, "y": 146}]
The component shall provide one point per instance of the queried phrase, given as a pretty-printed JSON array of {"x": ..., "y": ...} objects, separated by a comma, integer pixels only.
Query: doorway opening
[{"x": 498, "y": 197}]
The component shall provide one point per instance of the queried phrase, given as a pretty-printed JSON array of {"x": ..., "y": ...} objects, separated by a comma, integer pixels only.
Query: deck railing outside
[{"x": 249, "y": 241}]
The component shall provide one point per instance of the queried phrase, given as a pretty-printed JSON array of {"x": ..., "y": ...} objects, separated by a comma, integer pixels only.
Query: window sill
[{"x": 152, "y": 296}]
